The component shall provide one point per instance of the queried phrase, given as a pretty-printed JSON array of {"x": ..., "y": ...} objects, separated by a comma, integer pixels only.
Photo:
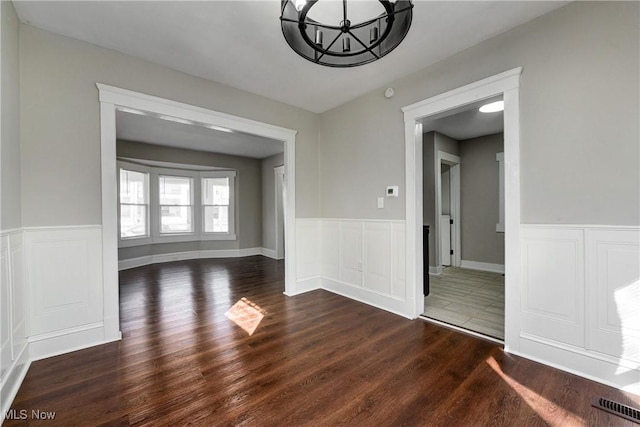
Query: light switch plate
[{"x": 380, "y": 202}]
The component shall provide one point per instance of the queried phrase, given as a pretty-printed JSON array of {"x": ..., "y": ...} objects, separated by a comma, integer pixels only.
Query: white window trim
[
  {"x": 198, "y": 234},
  {"x": 143, "y": 240},
  {"x": 156, "y": 235},
  {"x": 233, "y": 202}
]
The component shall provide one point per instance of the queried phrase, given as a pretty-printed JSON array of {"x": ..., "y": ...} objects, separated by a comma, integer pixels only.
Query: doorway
[
  {"x": 446, "y": 216},
  {"x": 505, "y": 84},
  {"x": 113, "y": 98},
  {"x": 466, "y": 275}
]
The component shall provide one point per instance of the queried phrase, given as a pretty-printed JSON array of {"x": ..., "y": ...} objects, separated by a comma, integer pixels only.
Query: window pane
[
  {"x": 175, "y": 190},
  {"x": 133, "y": 221},
  {"x": 175, "y": 219},
  {"x": 216, "y": 219},
  {"x": 215, "y": 191},
  {"x": 133, "y": 187}
]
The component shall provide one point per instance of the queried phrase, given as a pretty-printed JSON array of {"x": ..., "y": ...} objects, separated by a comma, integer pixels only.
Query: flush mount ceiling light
[
  {"x": 337, "y": 34},
  {"x": 493, "y": 107}
]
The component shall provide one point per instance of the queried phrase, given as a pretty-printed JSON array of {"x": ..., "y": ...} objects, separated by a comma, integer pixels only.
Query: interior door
[{"x": 445, "y": 236}]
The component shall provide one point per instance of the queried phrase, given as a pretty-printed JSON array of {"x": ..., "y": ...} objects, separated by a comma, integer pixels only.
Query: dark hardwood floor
[{"x": 315, "y": 359}]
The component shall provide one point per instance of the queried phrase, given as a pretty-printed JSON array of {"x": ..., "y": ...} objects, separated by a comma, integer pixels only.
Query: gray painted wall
[
  {"x": 580, "y": 118},
  {"x": 479, "y": 199},
  {"x": 248, "y": 196},
  {"x": 60, "y": 123},
  {"x": 445, "y": 143},
  {"x": 10, "y": 191},
  {"x": 269, "y": 200}
]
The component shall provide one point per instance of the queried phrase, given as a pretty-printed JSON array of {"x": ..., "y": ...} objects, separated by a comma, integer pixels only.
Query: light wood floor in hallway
[{"x": 470, "y": 299}]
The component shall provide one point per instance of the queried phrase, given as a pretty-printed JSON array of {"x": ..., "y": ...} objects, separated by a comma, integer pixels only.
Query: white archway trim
[
  {"x": 110, "y": 99},
  {"x": 506, "y": 84}
]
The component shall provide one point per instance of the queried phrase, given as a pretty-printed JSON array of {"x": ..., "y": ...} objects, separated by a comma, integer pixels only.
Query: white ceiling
[
  {"x": 466, "y": 122},
  {"x": 154, "y": 130},
  {"x": 240, "y": 43}
]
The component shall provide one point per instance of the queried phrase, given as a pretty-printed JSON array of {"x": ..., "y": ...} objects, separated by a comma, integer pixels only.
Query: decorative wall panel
[
  {"x": 64, "y": 278},
  {"x": 553, "y": 284},
  {"x": 614, "y": 293}
]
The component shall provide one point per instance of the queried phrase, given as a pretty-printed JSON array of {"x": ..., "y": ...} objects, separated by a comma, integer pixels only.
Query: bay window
[{"x": 162, "y": 205}]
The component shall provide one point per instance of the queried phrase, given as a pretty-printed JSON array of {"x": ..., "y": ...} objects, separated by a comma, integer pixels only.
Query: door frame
[
  {"x": 280, "y": 200},
  {"x": 506, "y": 84},
  {"x": 111, "y": 98},
  {"x": 453, "y": 161}
]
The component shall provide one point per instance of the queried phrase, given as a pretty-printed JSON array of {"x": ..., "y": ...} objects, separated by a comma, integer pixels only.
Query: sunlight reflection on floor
[
  {"x": 246, "y": 314},
  {"x": 546, "y": 409}
]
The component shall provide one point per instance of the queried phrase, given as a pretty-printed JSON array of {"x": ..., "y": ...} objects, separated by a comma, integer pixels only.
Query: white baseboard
[
  {"x": 65, "y": 341},
  {"x": 482, "y": 266},
  {"x": 126, "y": 264},
  {"x": 269, "y": 253},
  {"x": 13, "y": 380},
  {"x": 584, "y": 363},
  {"x": 435, "y": 271},
  {"x": 307, "y": 284},
  {"x": 363, "y": 295},
  {"x": 229, "y": 253},
  {"x": 367, "y": 296}
]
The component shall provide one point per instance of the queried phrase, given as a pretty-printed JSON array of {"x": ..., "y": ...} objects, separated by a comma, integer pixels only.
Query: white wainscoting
[
  {"x": 64, "y": 282},
  {"x": 552, "y": 303},
  {"x": 361, "y": 259},
  {"x": 398, "y": 261},
  {"x": 613, "y": 293},
  {"x": 14, "y": 352},
  {"x": 307, "y": 255},
  {"x": 580, "y": 305}
]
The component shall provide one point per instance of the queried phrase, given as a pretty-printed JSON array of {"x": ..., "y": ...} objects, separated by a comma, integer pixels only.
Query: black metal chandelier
[{"x": 344, "y": 43}]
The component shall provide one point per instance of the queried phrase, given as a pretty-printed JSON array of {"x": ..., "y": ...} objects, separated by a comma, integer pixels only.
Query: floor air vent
[{"x": 616, "y": 408}]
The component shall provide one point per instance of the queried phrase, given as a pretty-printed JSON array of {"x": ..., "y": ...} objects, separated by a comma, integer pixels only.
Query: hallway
[{"x": 469, "y": 299}]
